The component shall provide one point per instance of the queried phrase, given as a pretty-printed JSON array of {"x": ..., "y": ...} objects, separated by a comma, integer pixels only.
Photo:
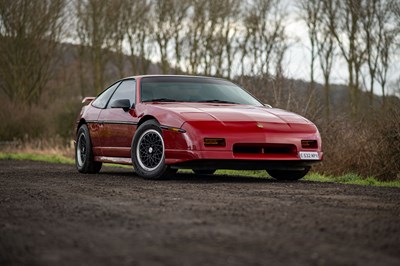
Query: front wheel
[
  {"x": 84, "y": 158},
  {"x": 288, "y": 174},
  {"x": 148, "y": 151}
]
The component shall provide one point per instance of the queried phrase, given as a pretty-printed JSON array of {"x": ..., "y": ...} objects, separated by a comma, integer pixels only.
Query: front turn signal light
[
  {"x": 220, "y": 142},
  {"x": 309, "y": 144}
]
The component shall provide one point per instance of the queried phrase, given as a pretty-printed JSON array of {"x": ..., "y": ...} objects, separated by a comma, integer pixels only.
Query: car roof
[{"x": 166, "y": 75}]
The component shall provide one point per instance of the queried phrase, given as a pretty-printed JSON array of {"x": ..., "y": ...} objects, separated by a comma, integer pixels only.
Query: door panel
[
  {"x": 117, "y": 130},
  {"x": 118, "y": 126}
]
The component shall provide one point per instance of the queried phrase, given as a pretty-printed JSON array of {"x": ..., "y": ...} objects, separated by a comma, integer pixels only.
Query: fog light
[
  {"x": 309, "y": 144},
  {"x": 214, "y": 142}
]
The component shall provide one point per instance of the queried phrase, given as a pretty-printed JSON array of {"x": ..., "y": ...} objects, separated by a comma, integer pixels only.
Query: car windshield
[{"x": 194, "y": 89}]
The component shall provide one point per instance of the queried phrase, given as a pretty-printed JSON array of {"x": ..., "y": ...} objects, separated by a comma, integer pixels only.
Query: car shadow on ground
[{"x": 187, "y": 177}]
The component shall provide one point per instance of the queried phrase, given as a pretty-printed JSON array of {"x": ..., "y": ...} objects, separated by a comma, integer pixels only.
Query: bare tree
[
  {"x": 138, "y": 28},
  {"x": 169, "y": 15},
  {"x": 230, "y": 33},
  {"x": 163, "y": 31},
  {"x": 29, "y": 32},
  {"x": 177, "y": 24},
  {"x": 194, "y": 35},
  {"x": 279, "y": 79},
  {"x": 252, "y": 48},
  {"x": 387, "y": 45},
  {"x": 210, "y": 36},
  {"x": 213, "y": 11},
  {"x": 265, "y": 23},
  {"x": 395, "y": 6},
  {"x": 244, "y": 39},
  {"x": 390, "y": 42},
  {"x": 94, "y": 33},
  {"x": 376, "y": 15},
  {"x": 345, "y": 25},
  {"x": 373, "y": 37},
  {"x": 310, "y": 10},
  {"x": 326, "y": 49},
  {"x": 216, "y": 43},
  {"x": 265, "y": 43},
  {"x": 221, "y": 39},
  {"x": 116, "y": 24}
]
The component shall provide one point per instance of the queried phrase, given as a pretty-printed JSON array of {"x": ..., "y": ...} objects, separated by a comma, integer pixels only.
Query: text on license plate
[{"x": 309, "y": 155}]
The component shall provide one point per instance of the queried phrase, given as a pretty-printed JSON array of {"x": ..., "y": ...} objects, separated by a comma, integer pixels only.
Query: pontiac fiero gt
[{"x": 160, "y": 124}]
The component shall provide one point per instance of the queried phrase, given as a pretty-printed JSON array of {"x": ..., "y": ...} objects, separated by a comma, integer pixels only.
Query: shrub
[{"x": 368, "y": 146}]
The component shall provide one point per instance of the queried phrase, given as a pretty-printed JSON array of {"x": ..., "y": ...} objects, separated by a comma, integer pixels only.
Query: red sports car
[{"x": 160, "y": 124}]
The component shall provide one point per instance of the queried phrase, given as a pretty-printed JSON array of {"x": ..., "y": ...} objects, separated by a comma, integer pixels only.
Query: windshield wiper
[
  {"x": 160, "y": 100},
  {"x": 217, "y": 101}
]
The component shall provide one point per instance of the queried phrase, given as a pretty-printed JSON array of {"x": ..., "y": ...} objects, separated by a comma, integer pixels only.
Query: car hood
[{"x": 226, "y": 113}]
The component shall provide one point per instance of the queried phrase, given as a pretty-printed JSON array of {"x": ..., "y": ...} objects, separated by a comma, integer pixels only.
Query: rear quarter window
[{"x": 102, "y": 100}]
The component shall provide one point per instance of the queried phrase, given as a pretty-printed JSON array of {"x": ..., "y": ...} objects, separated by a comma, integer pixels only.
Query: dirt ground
[{"x": 52, "y": 215}]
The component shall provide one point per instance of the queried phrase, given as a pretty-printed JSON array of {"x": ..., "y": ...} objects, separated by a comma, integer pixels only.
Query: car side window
[
  {"x": 102, "y": 100},
  {"x": 126, "y": 90}
]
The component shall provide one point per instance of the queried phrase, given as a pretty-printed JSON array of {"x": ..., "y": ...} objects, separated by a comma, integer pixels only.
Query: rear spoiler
[{"x": 87, "y": 100}]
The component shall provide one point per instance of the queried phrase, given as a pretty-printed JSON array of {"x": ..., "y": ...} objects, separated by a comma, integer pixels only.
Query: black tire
[
  {"x": 84, "y": 158},
  {"x": 288, "y": 174},
  {"x": 148, "y": 151},
  {"x": 204, "y": 171}
]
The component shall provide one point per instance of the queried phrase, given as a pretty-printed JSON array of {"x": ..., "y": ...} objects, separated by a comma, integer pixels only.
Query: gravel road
[{"x": 52, "y": 215}]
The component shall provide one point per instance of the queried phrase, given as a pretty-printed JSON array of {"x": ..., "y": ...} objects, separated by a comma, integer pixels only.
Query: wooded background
[{"x": 54, "y": 52}]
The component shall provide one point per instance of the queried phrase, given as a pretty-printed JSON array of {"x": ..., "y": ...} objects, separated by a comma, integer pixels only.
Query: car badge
[{"x": 260, "y": 125}]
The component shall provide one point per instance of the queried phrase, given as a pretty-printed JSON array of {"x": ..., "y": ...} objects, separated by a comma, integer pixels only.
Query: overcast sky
[{"x": 298, "y": 56}]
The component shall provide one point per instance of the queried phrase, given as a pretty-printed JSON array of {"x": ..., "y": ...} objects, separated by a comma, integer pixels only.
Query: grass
[
  {"x": 353, "y": 179},
  {"x": 350, "y": 178},
  {"x": 47, "y": 158},
  {"x": 37, "y": 157}
]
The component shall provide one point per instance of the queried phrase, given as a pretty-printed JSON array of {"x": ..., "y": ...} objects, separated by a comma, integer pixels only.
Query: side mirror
[
  {"x": 122, "y": 103},
  {"x": 267, "y": 105}
]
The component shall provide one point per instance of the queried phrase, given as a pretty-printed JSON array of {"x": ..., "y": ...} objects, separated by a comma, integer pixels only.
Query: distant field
[{"x": 350, "y": 178}]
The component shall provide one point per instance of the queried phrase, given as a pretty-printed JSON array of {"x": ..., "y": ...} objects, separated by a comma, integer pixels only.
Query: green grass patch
[
  {"x": 353, "y": 179},
  {"x": 350, "y": 178},
  {"x": 47, "y": 158},
  {"x": 37, "y": 157}
]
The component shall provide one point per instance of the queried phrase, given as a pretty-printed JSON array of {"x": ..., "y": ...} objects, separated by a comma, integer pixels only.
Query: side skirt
[{"x": 117, "y": 160}]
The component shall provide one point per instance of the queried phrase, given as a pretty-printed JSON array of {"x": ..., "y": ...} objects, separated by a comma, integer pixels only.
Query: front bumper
[
  {"x": 244, "y": 164},
  {"x": 187, "y": 150}
]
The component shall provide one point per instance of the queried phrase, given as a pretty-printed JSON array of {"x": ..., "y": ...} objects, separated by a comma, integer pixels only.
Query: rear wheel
[
  {"x": 148, "y": 151},
  {"x": 288, "y": 174},
  {"x": 84, "y": 158},
  {"x": 204, "y": 171}
]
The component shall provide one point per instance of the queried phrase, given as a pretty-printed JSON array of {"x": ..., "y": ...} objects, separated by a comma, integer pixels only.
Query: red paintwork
[
  {"x": 116, "y": 139},
  {"x": 236, "y": 123}
]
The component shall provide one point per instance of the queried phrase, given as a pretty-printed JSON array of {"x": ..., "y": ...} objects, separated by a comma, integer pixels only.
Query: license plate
[{"x": 309, "y": 155}]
